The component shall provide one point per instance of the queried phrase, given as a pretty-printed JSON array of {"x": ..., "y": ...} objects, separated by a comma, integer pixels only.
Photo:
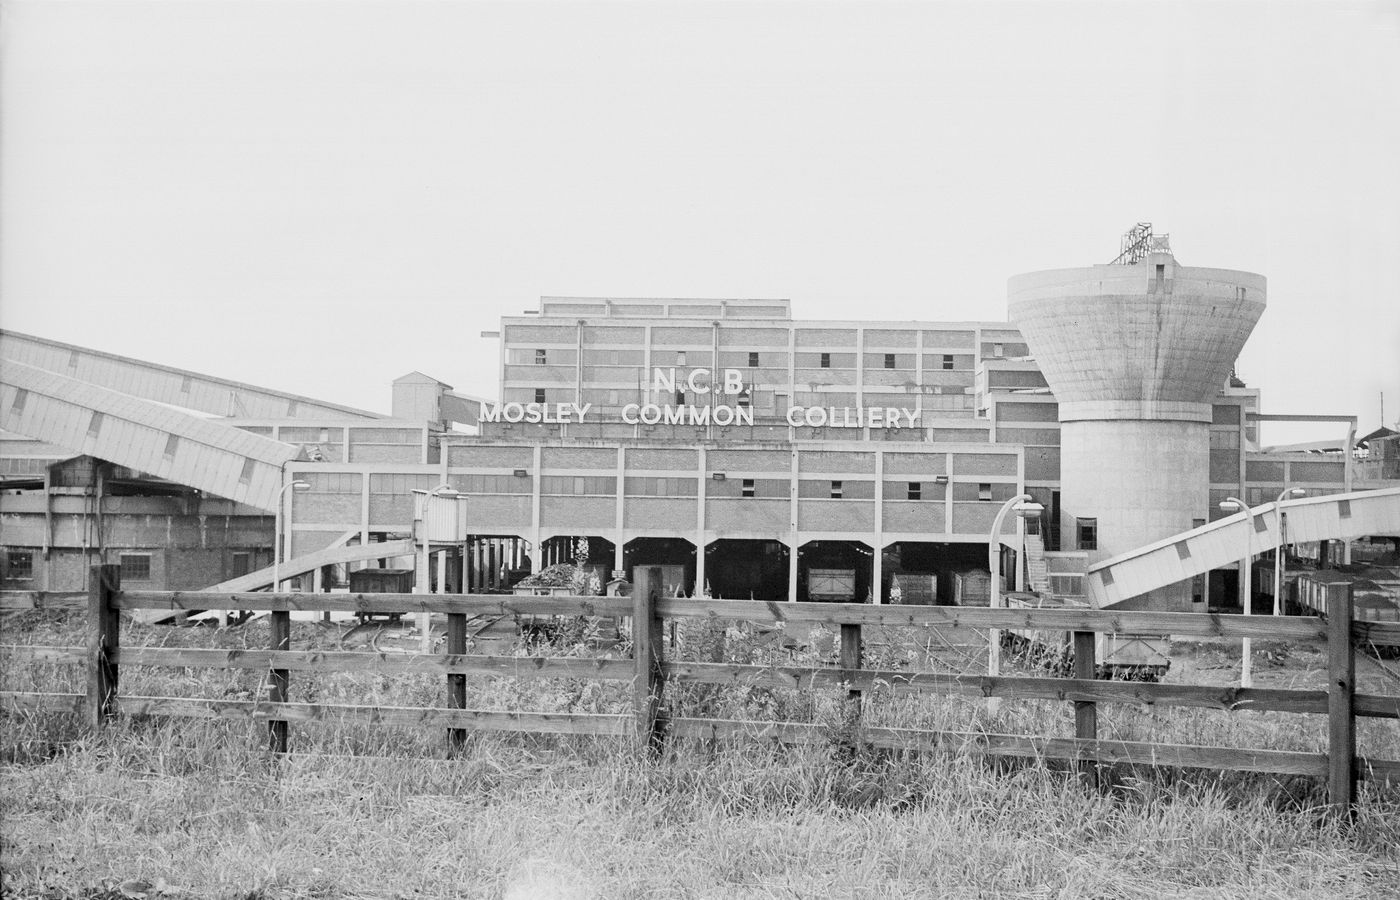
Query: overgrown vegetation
[{"x": 199, "y": 809}]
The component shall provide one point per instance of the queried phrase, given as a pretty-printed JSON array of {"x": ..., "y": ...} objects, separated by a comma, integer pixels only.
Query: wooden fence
[{"x": 648, "y": 723}]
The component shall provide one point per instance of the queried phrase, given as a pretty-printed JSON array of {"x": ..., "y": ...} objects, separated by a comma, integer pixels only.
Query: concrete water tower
[{"x": 1134, "y": 352}]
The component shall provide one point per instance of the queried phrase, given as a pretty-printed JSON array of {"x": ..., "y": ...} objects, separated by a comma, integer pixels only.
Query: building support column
[
  {"x": 702, "y": 481},
  {"x": 795, "y": 536},
  {"x": 877, "y": 556}
]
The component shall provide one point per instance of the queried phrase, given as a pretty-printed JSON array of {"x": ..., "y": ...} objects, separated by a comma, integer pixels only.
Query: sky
[{"x": 322, "y": 196}]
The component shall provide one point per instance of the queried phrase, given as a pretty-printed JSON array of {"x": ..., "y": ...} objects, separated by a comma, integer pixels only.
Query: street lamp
[
  {"x": 1026, "y": 508},
  {"x": 277, "y": 529},
  {"x": 1278, "y": 548},
  {"x": 421, "y": 584},
  {"x": 1246, "y": 668}
]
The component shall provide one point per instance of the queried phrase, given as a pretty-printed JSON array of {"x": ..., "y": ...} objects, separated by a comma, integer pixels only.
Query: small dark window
[
  {"x": 680, "y": 398},
  {"x": 747, "y": 489},
  {"x": 1161, "y": 274},
  {"x": 136, "y": 566},
  {"x": 539, "y": 395},
  {"x": 753, "y": 359},
  {"x": 889, "y": 360},
  {"x": 826, "y": 360},
  {"x": 836, "y": 490},
  {"x": 541, "y": 357},
  {"x": 947, "y": 361},
  {"x": 19, "y": 564},
  {"x": 745, "y": 398},
  {"x": 680, "y": 357},
  {"x": 998, "y": 350},
  {"x": 1088, "y": 533},
  {"x": 916, "y": 490},
  {"x": 984, "y": 491},
  {"x": 172, "y": 444},
  {"x": 94, "y": 425}
]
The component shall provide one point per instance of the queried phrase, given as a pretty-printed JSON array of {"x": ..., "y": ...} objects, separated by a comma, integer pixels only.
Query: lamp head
[
  {"x": 1232, "y": 503},
  {"x": 301, "y": 486},
  {"x": 1029, "y": 510},
  {"x": 1298, "y": 492}
]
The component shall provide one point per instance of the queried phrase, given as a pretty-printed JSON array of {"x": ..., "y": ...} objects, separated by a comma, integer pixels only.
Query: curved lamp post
[
  {"x": 420, "y": 585},
  {"x": 1246, "y": 664},
  {"x": 277, "y": 529},
  {"x": 1278, "y": 549},
  {"x": 1025, "y": 507}
]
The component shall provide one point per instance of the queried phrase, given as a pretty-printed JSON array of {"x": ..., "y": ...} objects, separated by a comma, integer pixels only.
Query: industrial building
[{"x": 750, "y": 453}]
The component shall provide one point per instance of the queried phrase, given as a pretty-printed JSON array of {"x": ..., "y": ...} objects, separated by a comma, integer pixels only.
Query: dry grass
[{"x": 379, "y": 813}]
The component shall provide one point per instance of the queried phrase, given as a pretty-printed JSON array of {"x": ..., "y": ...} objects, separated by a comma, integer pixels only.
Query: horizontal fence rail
[{"x": 650, "y": 673}]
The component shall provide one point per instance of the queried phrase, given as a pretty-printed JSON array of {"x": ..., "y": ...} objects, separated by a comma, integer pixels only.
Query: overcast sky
[{"x": 320, "y": 197}]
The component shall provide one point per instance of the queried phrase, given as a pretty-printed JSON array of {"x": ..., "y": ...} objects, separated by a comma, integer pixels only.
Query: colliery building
[{"x": 750, "y": 453}]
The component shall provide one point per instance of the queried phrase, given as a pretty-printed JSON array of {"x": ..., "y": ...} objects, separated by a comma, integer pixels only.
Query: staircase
[{"x": 1037, "y": 572}]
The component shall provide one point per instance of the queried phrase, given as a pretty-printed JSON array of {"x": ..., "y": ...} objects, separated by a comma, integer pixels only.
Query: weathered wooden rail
[{"x": 649, "y": 672}]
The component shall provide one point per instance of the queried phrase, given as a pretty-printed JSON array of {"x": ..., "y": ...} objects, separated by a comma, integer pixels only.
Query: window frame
[
  {"x": 11, "y": 556},
  {"x": 1089, "y": 527},
  {"x": 131, "y": 560}
]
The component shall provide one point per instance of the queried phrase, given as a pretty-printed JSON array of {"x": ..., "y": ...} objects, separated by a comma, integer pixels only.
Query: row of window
[
  {"x": 19, "y": 565},
  {"x": 542, "y": 359},
  {"x": 606, "y": 485}
]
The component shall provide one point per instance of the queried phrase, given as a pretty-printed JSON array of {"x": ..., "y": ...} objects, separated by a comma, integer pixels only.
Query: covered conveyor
[
  {"x": 142, "y": 435},
  {"x": 1182, "y": 556},
  {"x": 164, "y": 384}
]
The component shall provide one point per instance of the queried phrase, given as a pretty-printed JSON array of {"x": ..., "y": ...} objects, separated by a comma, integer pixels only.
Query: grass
[{"x": 358, "y": 812}]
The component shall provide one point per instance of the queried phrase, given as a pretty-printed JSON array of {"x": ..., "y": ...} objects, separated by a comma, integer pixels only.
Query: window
[
  {"x": 747, "y": 489},
  {"x": 172, "y": 444},
  {"x": 95, "y": 425},
  {"x": 745, "y": 398},
  {"x": 836, "y": 490},
  {"x": 680, "y": 398},
  {"x": 984, "y": 491},
  {"x": 541, "y": 358},
  {"x": 947, "y": 361},
  {"x": 998, "y": 349},
  {"x": 889, "y": 360},
  {"x": 1088, "y": 533},
  {"x": 916, "y": 490},
  {"x": 333, "y": 482},
  {"x": 136, "y": 566},
  {"x": 1161, "y": 274},
  {"x": 540, "y": 395},
  {"x": 579, "y": 485},
  {"x": 826, "y": 360},
  {"x": 753, "y": 359},
  {"x": 19, "y": 564},
  {"x": 680, "y": 357}
]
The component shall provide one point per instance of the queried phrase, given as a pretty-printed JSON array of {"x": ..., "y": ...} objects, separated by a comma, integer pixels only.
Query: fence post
[
  {"x": 1086, "y": 712},
  {"x": 456, "y": 683},
  {"x": 648, "y": 681},
  {"x": 851, "y": 647},
  {"x": 280, "y": 626},
  {"x": 1341, "y": 726},
  {"x": 104, "y": 639}
]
